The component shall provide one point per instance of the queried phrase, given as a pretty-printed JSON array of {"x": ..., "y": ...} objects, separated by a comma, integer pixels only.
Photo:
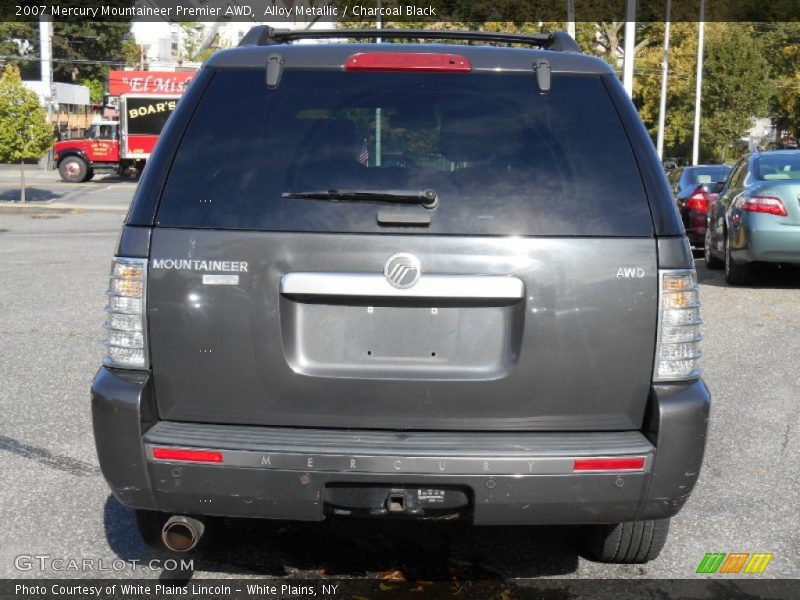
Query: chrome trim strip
[
  {"x": 499, "y": 287},
  {"x": 405, "y": 465}
]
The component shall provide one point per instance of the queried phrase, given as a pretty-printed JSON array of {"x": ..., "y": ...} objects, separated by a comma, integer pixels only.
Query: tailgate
[{"x": 305, "y": 329}]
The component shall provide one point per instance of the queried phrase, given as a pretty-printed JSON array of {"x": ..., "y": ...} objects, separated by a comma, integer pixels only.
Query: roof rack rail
[{"x": 264, "y": 35}]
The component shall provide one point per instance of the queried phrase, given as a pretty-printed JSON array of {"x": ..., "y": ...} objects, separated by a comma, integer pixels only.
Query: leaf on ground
[{"x": 393, "y": 575}]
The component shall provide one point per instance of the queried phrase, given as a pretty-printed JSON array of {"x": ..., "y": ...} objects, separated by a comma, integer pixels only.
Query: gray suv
[{"x": 404, "y": 281}]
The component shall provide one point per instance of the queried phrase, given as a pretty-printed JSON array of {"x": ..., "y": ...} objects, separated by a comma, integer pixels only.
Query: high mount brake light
[{"x": 408, "y": 61}]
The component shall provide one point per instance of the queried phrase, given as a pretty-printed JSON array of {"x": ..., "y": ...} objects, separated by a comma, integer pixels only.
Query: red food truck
[{"x": 145, "y": 100}]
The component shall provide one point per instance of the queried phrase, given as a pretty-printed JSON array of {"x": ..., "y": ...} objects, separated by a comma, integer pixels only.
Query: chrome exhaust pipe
[{"x": 181, "y": 534}]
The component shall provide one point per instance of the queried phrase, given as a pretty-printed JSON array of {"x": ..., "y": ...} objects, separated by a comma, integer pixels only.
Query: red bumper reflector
[
  {"x": 408, "y": 61},
  {"x": 609, "y": 464},
  {"x": 187, "y": 455}
]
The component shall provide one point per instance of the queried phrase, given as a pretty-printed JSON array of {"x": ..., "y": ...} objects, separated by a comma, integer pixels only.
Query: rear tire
[
  {"x": 712, "y": 262},
  {"x": 736, "y": 274},
  {"x": 73, "y": 169},
  {"x": 634, "y": 542}
]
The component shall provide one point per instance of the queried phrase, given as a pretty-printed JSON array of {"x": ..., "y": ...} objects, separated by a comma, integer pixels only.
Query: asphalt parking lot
[
  {"x": 46, "y": 189},
  {"x": 53, "y": 499}
]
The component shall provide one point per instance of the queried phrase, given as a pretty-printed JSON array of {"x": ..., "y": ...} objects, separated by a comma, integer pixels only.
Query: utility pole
[
  {"x": 379, "y": 22},
  {"x": 662, "y": 108},
  {"x": 46, "y": 68},
  {"x": 378, "y": 25},
  {"x": 571, "y": 18},
  {"x": 630, "y": 43},
  {"x": 699, "y": 86}
]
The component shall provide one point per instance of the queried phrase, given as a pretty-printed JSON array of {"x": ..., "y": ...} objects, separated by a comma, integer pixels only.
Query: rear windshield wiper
[{"x": 426, "y": 198}]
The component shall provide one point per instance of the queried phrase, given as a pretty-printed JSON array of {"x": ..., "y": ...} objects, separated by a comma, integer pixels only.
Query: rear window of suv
[{"x": 502, "y": 158}]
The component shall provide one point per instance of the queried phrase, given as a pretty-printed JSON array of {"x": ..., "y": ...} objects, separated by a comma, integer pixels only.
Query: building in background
[
  {"x": 166, "y": 45},
  {"x": 71, "y": 111},
  {"x": 761, "y": 135}
]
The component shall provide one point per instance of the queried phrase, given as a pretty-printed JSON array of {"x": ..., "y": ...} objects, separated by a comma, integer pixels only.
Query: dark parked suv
[{"x": 404, "y": 281}]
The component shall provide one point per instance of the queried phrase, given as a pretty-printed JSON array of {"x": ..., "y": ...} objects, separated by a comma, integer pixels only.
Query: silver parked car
[{"x": 756, "y": 217}]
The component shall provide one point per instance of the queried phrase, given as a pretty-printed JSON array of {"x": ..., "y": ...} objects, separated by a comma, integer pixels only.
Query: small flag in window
[{"x": 363, "y": 156}]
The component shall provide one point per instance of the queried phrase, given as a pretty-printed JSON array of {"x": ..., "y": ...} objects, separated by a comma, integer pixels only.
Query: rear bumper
[
  {"x": 283, "y": 473},
  {"x": 764, "y": 238}
]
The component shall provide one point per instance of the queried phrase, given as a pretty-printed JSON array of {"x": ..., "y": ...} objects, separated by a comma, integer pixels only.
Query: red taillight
[
  {"x": 408, "y": 61},
  {"x": 609, "y": 464},
  {"x": 698, "y": 202},
  {"x": 765, "y": 204},
  {"x": 187, "y": 455}
]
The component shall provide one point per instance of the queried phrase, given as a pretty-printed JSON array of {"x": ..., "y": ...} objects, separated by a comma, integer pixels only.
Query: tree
[
  {"x": 196, "y": 43},
  {"x": 607, "y": 40},
  {"x": 782, "y": 48},
  {"x": 97, "y": 88},
  {"x": 82, "y": 50},
  {"x": 131, "y": 52},
  {"x": 17, "y": 41},
  {"x": 736, "y": 87},
  {"x": 100, "y": 43},
  {"x": 24, "y": 130},
  {"x": 680, "y": 87}
]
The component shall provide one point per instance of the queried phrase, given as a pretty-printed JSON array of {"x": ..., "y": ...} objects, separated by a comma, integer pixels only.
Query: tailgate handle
[
  {"x": 409, "y": 219},
  {"x": 495, "y": 287}
]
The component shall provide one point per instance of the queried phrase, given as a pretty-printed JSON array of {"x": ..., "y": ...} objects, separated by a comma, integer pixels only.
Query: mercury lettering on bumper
[{"x": 501, "y": 465}]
